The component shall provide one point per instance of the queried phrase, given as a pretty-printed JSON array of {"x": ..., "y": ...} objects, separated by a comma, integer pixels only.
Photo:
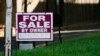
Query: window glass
[
  {"x": 82, "y": 1},
  {"x": 32, "y": 5}
]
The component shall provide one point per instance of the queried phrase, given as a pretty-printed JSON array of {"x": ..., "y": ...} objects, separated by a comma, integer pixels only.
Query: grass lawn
[{"x": 83, "y": 45}]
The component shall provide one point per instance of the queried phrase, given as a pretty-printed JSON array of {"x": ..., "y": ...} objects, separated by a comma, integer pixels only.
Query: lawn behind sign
[{"x": 83, "y": 45}]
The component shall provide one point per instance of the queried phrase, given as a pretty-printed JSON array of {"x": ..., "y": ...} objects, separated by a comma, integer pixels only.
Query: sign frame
[{"x": 35, "y": 39}]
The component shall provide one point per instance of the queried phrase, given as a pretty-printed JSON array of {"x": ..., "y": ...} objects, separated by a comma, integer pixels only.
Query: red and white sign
[{"x": 34, "y": 26}]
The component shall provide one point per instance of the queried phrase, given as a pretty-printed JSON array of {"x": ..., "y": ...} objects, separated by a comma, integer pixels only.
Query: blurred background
[
  {"x": 69, "y": 14},
  {"x": 72, "y": 13}
]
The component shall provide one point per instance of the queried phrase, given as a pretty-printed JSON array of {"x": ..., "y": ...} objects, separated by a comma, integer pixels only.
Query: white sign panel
[{"x": 34, "y": 26}]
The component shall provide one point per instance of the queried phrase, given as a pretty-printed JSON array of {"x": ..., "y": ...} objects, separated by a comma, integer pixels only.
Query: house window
[
  {"x": 87, "y": 1},
  {"x": 31, "y": 5},
  {"x": 82, "y": 1}
]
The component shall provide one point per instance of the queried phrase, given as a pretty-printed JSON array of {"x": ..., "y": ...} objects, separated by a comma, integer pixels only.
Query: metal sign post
[{"x": 8, "y": 27}]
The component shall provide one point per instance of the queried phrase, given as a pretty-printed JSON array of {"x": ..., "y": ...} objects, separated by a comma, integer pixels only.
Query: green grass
[{"x": 83, "y": 45}]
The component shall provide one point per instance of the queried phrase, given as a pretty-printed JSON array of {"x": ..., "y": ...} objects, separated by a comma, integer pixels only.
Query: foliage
[{"x": 83, "y": 45}]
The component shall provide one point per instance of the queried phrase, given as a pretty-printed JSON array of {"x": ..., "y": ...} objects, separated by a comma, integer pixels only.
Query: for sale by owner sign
[{"x": 34, "y": 26}]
